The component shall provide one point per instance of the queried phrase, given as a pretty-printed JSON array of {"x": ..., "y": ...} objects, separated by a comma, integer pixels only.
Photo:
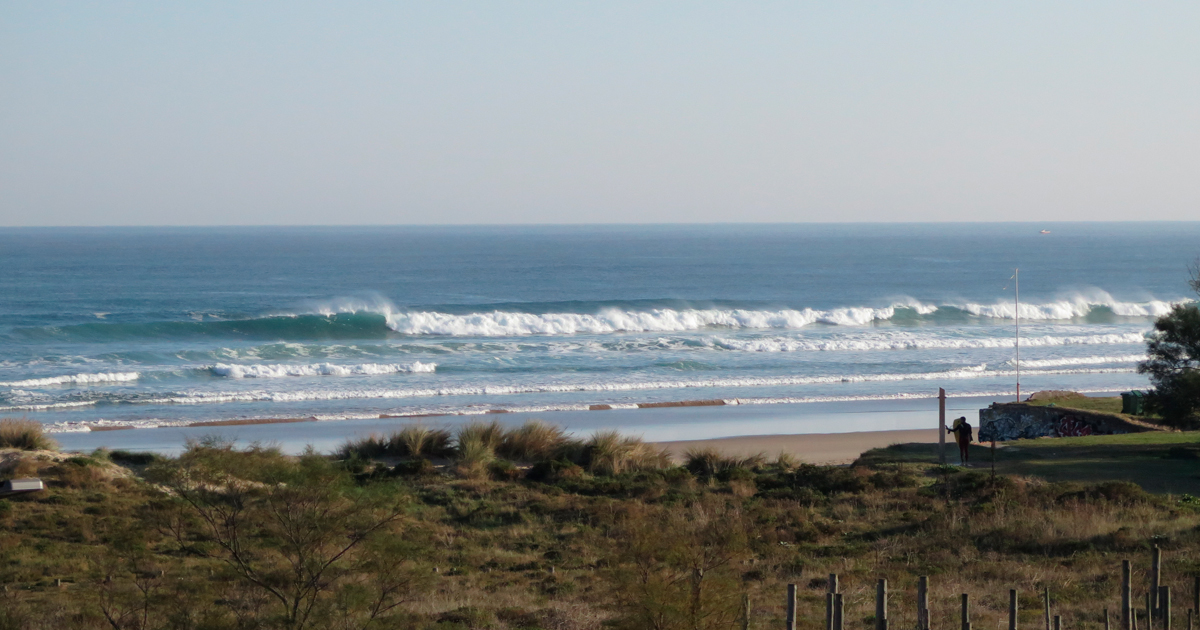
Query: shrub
[
  {"x": 421, "y": 441},
  {"x": 25, "y": 435},
  {"x": 533, "y": 441},
  {"x": 133, "y": 459},
  {"x": 609, "y": 453},
  {"x": 482, "y": 434},
  {"x": 475, "y": 448},
  {"x": 554, "y": 471},
  {"x": 504, "y": 470},
  {"x": 708, "y": 462},
  {"x": 414, "y": 467},
  {"x": 411, "y": 441},
  {"x": 373, "y": 445}
]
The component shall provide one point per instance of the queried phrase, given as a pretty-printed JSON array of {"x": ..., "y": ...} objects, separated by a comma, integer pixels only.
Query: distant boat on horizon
[{"x": 1045, "y": 231}]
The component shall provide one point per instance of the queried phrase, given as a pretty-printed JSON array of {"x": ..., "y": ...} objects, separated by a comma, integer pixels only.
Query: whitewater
[{"x": 120, "y": 328}]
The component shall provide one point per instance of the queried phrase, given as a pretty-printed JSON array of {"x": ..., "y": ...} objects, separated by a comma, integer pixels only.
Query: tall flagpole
[{"x": 1017, "y": 296}]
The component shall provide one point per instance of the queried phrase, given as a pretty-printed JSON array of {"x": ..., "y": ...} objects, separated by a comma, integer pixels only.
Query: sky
[{"x": 299, "y": 113}]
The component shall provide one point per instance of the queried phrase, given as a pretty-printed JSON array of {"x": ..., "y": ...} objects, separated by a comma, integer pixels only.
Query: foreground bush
[
  {"x": 25, "y": 435},
  {"x": 476, "y": 445}
]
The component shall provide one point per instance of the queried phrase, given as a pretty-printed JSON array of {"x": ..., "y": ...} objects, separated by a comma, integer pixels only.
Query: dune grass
[
  {"x": 25, "y": 435},
  {"x": 476, "y": 447}
]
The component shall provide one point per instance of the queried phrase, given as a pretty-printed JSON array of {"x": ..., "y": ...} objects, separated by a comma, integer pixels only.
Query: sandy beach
[{"x": 823, "y": 448}]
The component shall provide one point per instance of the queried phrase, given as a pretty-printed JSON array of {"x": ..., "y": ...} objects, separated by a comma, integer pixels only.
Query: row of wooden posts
[{"x": 1158, "y": 609}]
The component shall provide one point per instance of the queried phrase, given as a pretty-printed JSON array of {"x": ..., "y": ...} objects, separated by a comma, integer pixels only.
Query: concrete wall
[{"x": 1014, "y": 421}]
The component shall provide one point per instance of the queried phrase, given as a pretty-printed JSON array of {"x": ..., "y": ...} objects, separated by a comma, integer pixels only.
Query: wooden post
[
  {"x": 1189, "y": 626},
  {"x": 1126, "y": 597},
  {"x": 1057, "y": 622},
  {"x": 941, "y": 425},
  {"x": 791, "y": 607},
  {"x": 831, "y": 588},
  {"x": 1155, "y": 582},
  {"x": 1164, "y": 606},
  {"x": 966, "y": 612},
  {"x": 1012, "y": 609},
  {"x": 1196, "y": 594},
  {"x": 1106, "y": 620},
  {"x": 923, "y": 603},
  {"x": 745, "y": 611},
  {"x": 1046, "y": 603},
  {"x": 1133, "y": 620},
  {"x": 881, "y": 604},
  {"x": 838, "y": 611},
  {"x": 1150, "y": 610}
]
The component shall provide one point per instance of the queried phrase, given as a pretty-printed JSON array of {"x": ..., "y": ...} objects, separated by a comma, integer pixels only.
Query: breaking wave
[
  {"x": 1099, "y": 360},
  {"x": 75, "y": 379},
  {"x": 377, "y": 320},
  {"x": 912, "y": 342},
  {"x": 318, "y": 369}
]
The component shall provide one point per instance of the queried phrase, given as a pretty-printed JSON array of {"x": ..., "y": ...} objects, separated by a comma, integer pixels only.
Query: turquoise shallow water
[{"x": 161, "y": 327}]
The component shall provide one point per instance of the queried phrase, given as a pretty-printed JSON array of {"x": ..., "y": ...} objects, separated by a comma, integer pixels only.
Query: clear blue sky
[{"x": 200, "y": 113}]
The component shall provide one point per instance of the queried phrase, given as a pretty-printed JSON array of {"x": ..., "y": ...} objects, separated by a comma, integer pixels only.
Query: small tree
[
  {"x": 322, "y": 550},
  {"x": 1173, "y": 362},
  {"x": 677, "y": 568}
]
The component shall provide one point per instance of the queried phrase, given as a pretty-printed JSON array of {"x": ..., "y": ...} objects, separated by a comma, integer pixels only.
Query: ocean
[{"x": 164, "y": 327}]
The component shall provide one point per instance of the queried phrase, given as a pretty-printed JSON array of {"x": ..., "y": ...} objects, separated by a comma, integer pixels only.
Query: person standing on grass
[{"x": 962, "y": 433}]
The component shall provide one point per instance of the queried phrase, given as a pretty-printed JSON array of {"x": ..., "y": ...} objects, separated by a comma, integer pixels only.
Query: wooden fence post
[
  {"x": 1189, "y": 626},
  {"x": 881, "y": 621},
  {"x": 831, "y": 588},
  {"x": 1012, "y": 609},
  {"x": 1164, "y": 605},
  {"x": 966, "y": 612},
  {"x": 1046, "y": 605},
  {"x": 1057, "y": 622},
  {"x": 1150, "y": 610},
  {"x": 838, "y": 611},
  {"x": 1126, "y": 597},
  {"x": 1155, "y": 582},
  {"x": 791, "y": 607},
  {"x": 1196, "y": 594},
  {"x": 745, "y": 611},
  {"x": 1106, "y": 619},
  {"x": 923, "y": 603}
]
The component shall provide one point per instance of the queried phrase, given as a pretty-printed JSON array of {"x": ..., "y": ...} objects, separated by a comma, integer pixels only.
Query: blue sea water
[{"x": 152, "y": 327}]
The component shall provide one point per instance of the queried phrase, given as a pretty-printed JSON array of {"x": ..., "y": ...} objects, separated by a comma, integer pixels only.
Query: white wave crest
[
  {"x": 1098, "y": 360},
  {"x": 260, "y": 370},
  {"x": 49, "y": 406},
  {"x": 75, "y": 379},
  {"x": 906, "y": 341},
  {"x": 615, "y": 320},
  {"x": 508, "y": 324},
  {"x": 1069, "y": 308}
]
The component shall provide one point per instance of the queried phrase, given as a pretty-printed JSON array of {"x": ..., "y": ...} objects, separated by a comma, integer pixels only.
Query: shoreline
[
  {"x": 829, "y": 431},
  {"x": 809, "y": 448}
]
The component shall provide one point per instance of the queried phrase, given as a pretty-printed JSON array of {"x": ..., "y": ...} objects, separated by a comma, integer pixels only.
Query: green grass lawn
[
  {"x": 1160, "y": 462},
  {"x": 1106, "y": 404}
]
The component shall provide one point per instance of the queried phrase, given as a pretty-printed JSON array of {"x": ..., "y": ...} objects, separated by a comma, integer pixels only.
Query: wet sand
[{"x": 815, "y": 448}]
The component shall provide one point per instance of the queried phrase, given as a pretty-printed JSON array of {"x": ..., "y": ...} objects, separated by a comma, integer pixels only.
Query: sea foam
[
  {"x": 75, "y": 379},
  {"x": 279, "y": 370}
]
